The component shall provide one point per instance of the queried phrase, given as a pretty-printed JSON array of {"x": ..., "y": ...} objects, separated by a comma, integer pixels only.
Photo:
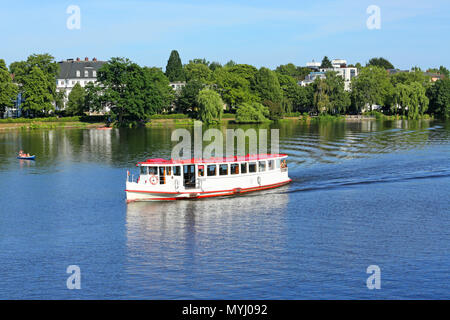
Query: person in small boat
[{"x": 23, "y": 155}]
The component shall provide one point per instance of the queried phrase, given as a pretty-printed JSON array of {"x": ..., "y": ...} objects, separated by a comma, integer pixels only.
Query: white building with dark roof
[{"x": 76, "y": 71}]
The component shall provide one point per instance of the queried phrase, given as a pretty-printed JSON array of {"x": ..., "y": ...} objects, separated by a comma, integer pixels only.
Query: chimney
[
  {"x": 95, "y": 59},
  {"x": 86, "y": 59},
  {"x": 78, "y": 59}
]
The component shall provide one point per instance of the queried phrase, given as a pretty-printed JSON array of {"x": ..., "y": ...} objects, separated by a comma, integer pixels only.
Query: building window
[
  {"x": 73, "y": 81},
  {"x": 62, "y": 82},
  {"x": 94, "y": 73},
  {"x": 78, "y": 73},
  {"x": 86, "y": 73},
  {"x": 211, "y": 170}
]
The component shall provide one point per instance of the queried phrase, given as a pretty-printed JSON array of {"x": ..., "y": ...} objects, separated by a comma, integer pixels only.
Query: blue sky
[{"x": 258, "y": 32}]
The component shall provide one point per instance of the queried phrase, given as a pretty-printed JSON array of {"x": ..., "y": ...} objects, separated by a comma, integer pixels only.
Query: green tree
[
  {"x": 370, "y": 87},
  {"x": 230, "y": 63},
  {"x": 187, "y": 100},
  {"x": 76, "y": 101},
  {"x": 197, "y": 71},
  {"x": 298, "y": 73},
  {"x": 174, "y": 67},
  {"x": 443, "y": 70},
  {"x": 411, "y": 98},
  {"x": 60, "y": 98},
  {"x": 380, "y": 62},
  {"x": 210, "y": 105},
  {"x": 38, "y": 99},
  {"x": 276, "y": 111},
  {"x": 339, "y": 98},
  {"x": 214, "y": 65},
  {"x": 439, "y": 97},
  {"x": 252, "y": 112},
  {"x": 157, "y": 93},
  {"x": 133, "y": 93},
  {"x": 321, "y": 98},
  {"x": 93, "y": 100},
  {"x": 400, "y": 98},
  {"x": 233, "y": 86},
  {"x": 304, "y": 99},
  {"x": 25, "y": 73},
  {"x": 267, "y": 86},
  {"x": 8, "y": 90},
  {"x": 200, "y": 61},
  {"x": 410, "y": 77},
  {"x": 326, "y": 63}
]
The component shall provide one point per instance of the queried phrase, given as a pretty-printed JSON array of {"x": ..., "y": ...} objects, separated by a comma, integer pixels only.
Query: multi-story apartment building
[
  {"x": 76, "y": 71},
  {"x": 339, "y": 66}
]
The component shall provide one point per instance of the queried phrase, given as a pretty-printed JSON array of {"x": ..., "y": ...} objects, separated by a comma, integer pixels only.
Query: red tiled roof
[{"x": 214, "y": 160}]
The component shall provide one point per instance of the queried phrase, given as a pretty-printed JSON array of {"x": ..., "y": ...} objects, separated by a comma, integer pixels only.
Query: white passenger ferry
[{"x": 162, "y": 179}]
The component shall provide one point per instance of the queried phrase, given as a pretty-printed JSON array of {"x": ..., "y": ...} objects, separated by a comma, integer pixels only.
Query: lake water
[{"x": 363, "y": 193}]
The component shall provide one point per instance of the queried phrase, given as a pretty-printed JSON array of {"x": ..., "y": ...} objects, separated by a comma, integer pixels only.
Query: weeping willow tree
[
  {"x": 411, "y": 98},
  {"x": 210, "y": 106},
  {"x": 321, "y": 98}
]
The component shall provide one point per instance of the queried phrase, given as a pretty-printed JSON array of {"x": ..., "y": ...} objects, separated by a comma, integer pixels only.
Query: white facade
[
  {"x": 77, "y": 71},
  {"x": 339, "y": 66},
  {"x": 177, "y": 85}
]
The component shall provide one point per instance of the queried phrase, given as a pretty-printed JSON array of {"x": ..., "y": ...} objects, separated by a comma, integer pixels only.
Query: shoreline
[
  {"x": 48, "y": 125},
  {"x": 168, "y": 121}
]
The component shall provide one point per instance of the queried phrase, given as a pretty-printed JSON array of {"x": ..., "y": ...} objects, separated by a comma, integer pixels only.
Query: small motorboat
[{"x": 26, "y": 158}]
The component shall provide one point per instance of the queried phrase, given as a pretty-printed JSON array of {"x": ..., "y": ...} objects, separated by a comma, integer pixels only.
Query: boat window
[
  {"x": 244, "y": 167},
  {"x": 277, "y": 163},
  {"x": 153, "y": 170},
  {"x": 144, "y": 170},
  {"x": 262, "y": 166},
  {"x": 212, "y": 170},
  {"x": 223, "y": 169},
  {"x": 162, "y": 173},
  {"x": 168, "y": 171},
  {"x": 270, "y": 164},
  {"x": 201, "y": 171},
  {"x": 252, "y": 167},
  {"x": 234, "y": 168},
  {"x": 283, "y": 164},
  {"x": 177, "y": 171}
]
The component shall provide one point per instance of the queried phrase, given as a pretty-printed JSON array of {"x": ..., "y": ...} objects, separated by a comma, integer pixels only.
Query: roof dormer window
[
  {"x": 78, "y": 73},
  {"x": 86, "y": 73},
  {"x": 94, "y": 73}
]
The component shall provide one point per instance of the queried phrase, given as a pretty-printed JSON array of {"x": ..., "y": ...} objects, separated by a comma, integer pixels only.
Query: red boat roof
[{"x": 214, "y": 160}]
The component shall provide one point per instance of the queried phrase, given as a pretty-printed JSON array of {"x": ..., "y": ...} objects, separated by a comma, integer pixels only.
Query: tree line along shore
[{"x": 136, "y": 95}]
